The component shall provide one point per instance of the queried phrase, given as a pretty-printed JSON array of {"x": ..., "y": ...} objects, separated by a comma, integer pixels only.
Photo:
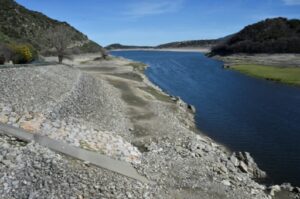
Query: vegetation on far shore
[
  {"x": 288, "y": 75},
  {"x": 204, "y": 43},
  {"x": 277, "y": 35}
]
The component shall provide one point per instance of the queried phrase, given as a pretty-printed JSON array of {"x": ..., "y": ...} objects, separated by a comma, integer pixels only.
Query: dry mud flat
[{"x": 111, "y": 108}]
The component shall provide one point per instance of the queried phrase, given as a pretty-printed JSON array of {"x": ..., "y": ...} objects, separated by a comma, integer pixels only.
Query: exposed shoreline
[
  {"x": 135, "y": 114},
  {"x": 281, "y": 68},
  {"x": 279, "y": 60}
]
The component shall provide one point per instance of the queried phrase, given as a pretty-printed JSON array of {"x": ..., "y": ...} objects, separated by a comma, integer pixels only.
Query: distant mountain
[
  {"x": 277, "y": 35},
  {"x": 178, "y": 44},
  {"x": 190, "y": 44},
  {"x": 120, "y": 47},
  {"x": 18, "y": 24}
]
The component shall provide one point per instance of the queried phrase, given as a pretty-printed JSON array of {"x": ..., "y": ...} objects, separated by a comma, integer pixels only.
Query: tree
[
  {"x": 104, "y": 53},
  {"x": 59, "y": 38},
  {"x": 5, "y": 53}
]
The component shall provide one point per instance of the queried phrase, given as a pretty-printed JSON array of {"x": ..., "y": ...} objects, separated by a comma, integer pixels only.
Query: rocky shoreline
[
  {"x": 279, "y": 60},
  {"x": 111, "y": 107}
]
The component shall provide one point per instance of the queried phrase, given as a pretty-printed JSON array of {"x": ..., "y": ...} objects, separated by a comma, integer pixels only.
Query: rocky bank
[{"x": 110, "y": 107}]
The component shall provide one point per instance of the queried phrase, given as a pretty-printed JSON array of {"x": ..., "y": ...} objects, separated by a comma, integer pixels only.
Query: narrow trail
[{"x": 139, "y": 99}]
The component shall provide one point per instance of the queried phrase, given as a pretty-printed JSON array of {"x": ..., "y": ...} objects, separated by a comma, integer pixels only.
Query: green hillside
[
  {"x": 278, "y": 35},
  {"x": 18, "y": 24}
]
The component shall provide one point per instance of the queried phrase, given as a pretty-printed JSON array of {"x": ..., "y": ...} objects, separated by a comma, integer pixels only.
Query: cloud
[
  {"x": 153, "y": 7},
  {"x": 291, "y": 2}
]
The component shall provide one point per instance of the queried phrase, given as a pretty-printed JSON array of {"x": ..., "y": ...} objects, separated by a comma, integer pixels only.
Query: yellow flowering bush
[{"x": 23, "y": 53}]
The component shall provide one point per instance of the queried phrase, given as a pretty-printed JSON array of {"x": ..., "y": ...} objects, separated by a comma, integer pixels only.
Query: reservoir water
[{"x": 241, "y": 112}]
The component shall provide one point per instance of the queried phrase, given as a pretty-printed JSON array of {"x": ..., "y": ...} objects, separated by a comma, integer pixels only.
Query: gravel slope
[
  {"x": 29, "y": 171},
  {"x": 124, "y": 118},
  {"x": 66, "y": 104}
]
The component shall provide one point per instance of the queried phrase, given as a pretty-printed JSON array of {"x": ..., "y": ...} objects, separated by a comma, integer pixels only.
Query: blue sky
[{"x": 152, "y": 22}]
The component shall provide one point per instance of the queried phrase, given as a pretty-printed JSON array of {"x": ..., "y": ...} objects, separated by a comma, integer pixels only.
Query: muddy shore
[{"x": 110, "y": 107}]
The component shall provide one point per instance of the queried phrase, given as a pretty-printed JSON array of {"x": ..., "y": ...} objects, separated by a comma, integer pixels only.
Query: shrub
[{"x": 23, "y": 53}]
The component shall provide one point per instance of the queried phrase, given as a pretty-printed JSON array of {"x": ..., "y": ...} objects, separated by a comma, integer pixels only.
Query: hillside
[
  {"x": 178, "y": 44},
  {"x": 277, "y": 35},
  {"x": 18, "y": 24},
  {"x": 208, "y": 43}
]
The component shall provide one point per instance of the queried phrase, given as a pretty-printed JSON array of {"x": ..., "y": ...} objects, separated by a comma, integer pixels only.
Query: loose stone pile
[
  {"x": 81, "y": 134},
  {"x": 32, "y": 171},
  {"x": 208, "y": 167},
  {"x": 196, "y": 166},
  {"x": 68, "y": 106}
]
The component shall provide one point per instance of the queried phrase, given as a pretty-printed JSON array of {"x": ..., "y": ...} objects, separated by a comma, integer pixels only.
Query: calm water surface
[{"x": 243, "y": 113}]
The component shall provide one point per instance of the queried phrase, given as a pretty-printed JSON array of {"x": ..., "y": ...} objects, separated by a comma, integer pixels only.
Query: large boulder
[{"x": 248, "y": 165}]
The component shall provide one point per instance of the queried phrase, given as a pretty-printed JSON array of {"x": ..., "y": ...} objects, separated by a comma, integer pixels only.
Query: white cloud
[
  {"x": 153, "y": 7},
  {"x": 291, "y": 2}
]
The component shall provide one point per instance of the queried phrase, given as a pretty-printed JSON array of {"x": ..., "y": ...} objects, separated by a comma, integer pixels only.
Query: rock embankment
[
  {"x": 109, "y": 108},
  {"x": 66, "y": 105},
  {"x": 32, "y": 171},
  {"x": 179, "y": 161}
]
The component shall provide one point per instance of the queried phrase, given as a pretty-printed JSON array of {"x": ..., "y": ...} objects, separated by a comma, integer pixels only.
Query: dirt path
[{"x": 139, "y": 98}]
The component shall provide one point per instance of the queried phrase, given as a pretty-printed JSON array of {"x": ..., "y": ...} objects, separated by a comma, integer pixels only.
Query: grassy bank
[{"x": 288, "y": 75}]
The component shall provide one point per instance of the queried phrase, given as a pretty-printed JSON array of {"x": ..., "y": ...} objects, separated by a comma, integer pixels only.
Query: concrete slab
[{"x": 94, "y": 158}]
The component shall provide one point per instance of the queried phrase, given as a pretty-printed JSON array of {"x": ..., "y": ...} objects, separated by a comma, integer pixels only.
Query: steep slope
[
  {"x": 277, "y": 35},
  {"x": 22, "y": 25}
]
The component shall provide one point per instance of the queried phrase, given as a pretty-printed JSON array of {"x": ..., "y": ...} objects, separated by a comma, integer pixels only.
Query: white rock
[
  {"x": 273, "y": 189},
  {"x": 226, "y": 182},
  {"x": 243, "y": 166}
]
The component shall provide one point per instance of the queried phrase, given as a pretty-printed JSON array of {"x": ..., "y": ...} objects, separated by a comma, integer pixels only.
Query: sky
[{"x": 153, "y": 22}]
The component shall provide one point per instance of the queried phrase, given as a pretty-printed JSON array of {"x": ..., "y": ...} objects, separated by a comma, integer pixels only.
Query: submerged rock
[{"x": 192, "y": 108}]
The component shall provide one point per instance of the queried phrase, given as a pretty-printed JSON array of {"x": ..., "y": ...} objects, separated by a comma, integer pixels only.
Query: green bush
[{"x": 23, "y": 53}]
